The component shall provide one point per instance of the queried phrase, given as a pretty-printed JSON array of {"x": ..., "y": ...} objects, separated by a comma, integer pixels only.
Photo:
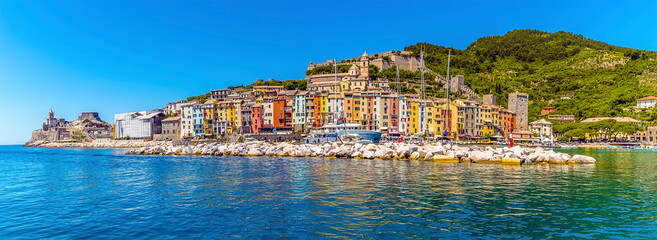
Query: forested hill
[{"x": 601, "y": 78}]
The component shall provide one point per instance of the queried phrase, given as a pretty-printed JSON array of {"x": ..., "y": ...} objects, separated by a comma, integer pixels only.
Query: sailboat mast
[
  {"x": 422, "y": 94},
  {"x": 449, "y": 56},
  {"x": 398, "y": 97},
  {"x": 335, "y": 89}
]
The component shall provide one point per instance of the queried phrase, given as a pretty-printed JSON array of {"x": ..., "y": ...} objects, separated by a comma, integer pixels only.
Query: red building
[
  {"x": 393, "y": 102},
  {"x": 256, "y": 118},
  {"x": 282, "y": 114}
]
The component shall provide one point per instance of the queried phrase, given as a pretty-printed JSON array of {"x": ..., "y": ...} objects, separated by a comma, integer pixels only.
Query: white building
[
  {"x": 335, "y": 106},
  {"x": 174, "y": 107},
  {"x": 646, "y": 102},
  {"x": 197, "y": 119},
  {"x": 267, "y": 114},
  {"x": 190, "y": 119},
  {"x": 299, "y": 105},
  {"x": 541, "y": 127},
  {"x": 138, "y": 125},
  {"x": 404, "y": 115}
]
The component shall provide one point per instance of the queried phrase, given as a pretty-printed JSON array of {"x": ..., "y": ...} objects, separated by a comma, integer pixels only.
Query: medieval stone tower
[
  {"x": 490, "y": 99},
  {"x": 519, "y": 103}
]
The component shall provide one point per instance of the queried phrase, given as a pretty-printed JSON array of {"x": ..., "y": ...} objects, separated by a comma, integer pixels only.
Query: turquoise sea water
[{"x": 101, "y": 193}]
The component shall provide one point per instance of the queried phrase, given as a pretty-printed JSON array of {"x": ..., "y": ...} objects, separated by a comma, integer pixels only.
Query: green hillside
[{"x": 602, "y": 78}]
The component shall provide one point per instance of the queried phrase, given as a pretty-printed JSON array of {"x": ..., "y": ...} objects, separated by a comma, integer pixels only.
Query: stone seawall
[
  {"x": 387, "y": 151},
  {"x": 95, "y": 144}
]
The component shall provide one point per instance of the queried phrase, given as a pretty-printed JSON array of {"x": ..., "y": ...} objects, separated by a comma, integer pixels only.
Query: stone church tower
[{"x": 365, "y": 65}]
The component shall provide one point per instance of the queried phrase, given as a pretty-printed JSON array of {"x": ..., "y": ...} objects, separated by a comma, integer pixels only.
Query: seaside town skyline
[
  {"x": 69, "y": 87},
  {"x": 345, "y": 119}
]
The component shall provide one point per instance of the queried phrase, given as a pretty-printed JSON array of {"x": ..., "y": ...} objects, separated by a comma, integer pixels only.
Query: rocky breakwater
[
  {"x": 387, "y": 151},
  {"x": 94, "y": 144}
]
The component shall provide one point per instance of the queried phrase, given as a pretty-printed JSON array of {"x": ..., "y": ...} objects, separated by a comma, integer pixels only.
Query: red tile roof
[{"x": 647, "y": 98}]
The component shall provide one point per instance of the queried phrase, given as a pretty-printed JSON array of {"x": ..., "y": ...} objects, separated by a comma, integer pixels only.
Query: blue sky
[{"x": 123, "y": 56}]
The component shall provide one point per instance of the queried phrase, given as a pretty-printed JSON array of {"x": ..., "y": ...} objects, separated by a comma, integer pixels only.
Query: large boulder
[
  {"x": 386, "y": 153},
  {"x": 357, "y": 146},
  {"x": 343, "y": 153},
  {"x": 403, "y": 152},
  {"x": 371, "y": 147},
  {"x": 582, "y": 159},
  {"x": 460, "y": 154},
  {"x": 287, "y": 150},
  {"x": 443, "y": 158},
  {"x": 438, "y": 150},
  {"x": 254, "y": 152},
  {"x": 378, "y": 153},
  {"x": 368, "y": 154},
  {"x": 423, "y": 153},
  {"x": 477, "y": 156},
  {"x": 332, "y": 153},
  {"x": 557, "y": 158},
  {"x": 428, "y": 156},
  {"x": 188, "y": 150},
  {"x": 414, "y": 156},
  {"x": 271, "y": 151},
  {"x": 512, "y": 161}
]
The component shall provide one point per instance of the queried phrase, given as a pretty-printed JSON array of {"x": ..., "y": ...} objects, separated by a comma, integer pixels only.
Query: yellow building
[
  {"x": 489, "y": 116},
  {"x": 225, "y": 116},
  {"x": 237, "y": 109},
  {"x": 435, "y": 121},
  {"x": 323, "y": 107},
  {"x": 413, "y": 124},
  {"x": 209, "y": 109}
]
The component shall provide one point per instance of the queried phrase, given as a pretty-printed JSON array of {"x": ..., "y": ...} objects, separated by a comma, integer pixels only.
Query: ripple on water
[{"x": 72, "y": 193}]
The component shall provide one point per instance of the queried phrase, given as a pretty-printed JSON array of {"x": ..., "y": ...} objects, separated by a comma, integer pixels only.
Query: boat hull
[{"x": 373, "y": 136}]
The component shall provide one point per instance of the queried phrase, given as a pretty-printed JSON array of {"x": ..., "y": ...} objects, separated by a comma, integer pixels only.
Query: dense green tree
[{"x": 602, "y": 79}]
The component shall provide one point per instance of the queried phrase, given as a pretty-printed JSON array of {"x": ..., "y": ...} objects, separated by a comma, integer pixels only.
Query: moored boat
[{"x": 334, "y": 132}]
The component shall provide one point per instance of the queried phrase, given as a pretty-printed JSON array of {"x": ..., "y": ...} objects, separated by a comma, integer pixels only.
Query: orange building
[
  {"x": 278, "y": 115},
  {"x": 349, "y": 110},
  {"x": 547, "y": 110},
  {"x": 317, "y": 111},
  {"x": 369, "y": 114},
  {"x": 507, "y": 120}
]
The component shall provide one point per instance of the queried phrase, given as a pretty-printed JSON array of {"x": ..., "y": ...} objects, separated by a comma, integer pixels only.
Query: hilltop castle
[
  {"x": 357, "y": 78},
  {"x": 88, "y": 126}
]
